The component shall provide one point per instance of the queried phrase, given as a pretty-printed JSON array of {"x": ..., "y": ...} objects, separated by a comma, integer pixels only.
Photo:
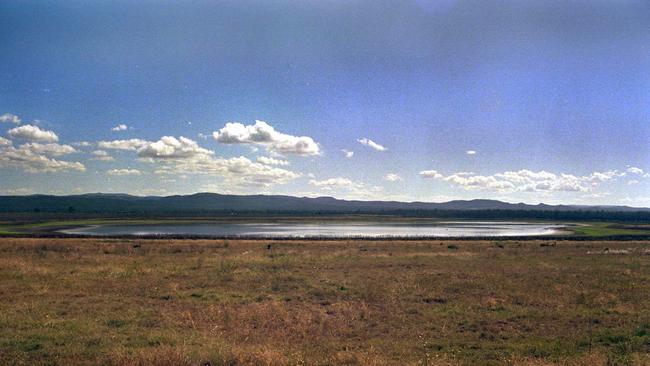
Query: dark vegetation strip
[
  {"x": 490, "y": 214},
  {"x": 567, "y": 237}
]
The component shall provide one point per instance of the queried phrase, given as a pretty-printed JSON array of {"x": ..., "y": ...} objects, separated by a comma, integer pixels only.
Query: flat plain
[{"x": 435, "y": 302}]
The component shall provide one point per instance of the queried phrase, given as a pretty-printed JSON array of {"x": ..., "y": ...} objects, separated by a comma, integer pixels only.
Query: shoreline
[{"x": 567, "y": 237}]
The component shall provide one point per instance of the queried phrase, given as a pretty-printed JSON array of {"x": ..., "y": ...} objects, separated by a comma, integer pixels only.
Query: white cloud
[
  {"x": 10, "y": 118},
  {"x": 236, "y": 171},
  {"x": 16, "y": 191},
  {"x": 635, "y": 170},
  {"x": 120, "y": 127},
  {"x": 101, "y": 155},
  {"x": 335, "y": 183},
  {"x": 153, "y": 192},
  {"x": 51, "y": 149},
  {"x": 169, "y": 147},
  {"x": 371, "y": 144},
  {"x": 525, "y": 180},
  {"x": 271, "y": 161},
  {"x": 430, "y": 174},
  {"x": 184, "y": 156},
  {"x": 33, "y": 133},
  {"x": 480, "y": 182},
  {"x": 36, "y": 158},
  {"x": 122, "y": 172},
  {"x": 598, "y": 177},
  {"x": 348, "y": 153},
  {"x": 81, "y": 144},
  {"x": 131, "y": 144},
  {"x": 261, "y": 133},
  {"x": 632, "y": 182},
  {"x": 470, "y": 152},
  {"x": 354, "y": 189},
  {"x": 392, "y": 177}
]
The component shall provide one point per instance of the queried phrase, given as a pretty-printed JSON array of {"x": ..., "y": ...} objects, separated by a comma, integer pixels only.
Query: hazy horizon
[{"x": 432, "y": 101}]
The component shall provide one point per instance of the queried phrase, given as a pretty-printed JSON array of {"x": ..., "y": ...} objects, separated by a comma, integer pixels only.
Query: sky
[{"x": 423, "y": 100}]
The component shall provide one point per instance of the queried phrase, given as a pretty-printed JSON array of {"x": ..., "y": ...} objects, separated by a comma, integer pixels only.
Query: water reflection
[{"x": 306, "y": 230}]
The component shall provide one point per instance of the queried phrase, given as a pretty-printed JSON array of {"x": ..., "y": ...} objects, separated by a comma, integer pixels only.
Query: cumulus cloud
[
  {"x": 348, "y": 153},
  {"x": 271, "y": 161},
  {"x": 36, "y": 158},
  {"x": 169, "y": 147},
  {"x": 371, "y": 144},
  {"x": 101, "y": 155},
  {"x": 392, "y": 177},
  {"x": 525, "y": 180},
  {"x": 184, "y": 156},
  {"x": 470, "y": 152},
  {"x": 131, "y": 144},
  {"x": 480, "y": 182},
  {"x": 261, "y": 133},
  {"x": 10, "y": 118},
  {"x": 122, "y": 172},
  {"x": 33, "y": 133},
  {"x": 120, "y": 127},
  {"x": 51, "y": 149}
]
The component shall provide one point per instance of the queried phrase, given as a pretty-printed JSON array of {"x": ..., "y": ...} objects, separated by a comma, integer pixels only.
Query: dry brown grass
[{"x": 169, "y": 302}]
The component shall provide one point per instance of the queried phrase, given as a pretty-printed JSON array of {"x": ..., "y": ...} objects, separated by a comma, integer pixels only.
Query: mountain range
[{"x": 212, "y": 202}]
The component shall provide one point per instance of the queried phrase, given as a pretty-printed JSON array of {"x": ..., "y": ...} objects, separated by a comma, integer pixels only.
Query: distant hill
[{"x": 204, "y": 203}]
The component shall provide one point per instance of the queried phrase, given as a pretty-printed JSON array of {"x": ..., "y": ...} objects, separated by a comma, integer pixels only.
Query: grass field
[{"x": 172, "y": 302}]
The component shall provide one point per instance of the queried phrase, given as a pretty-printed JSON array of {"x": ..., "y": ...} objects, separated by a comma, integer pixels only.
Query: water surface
[{"x": 329, "y": 229}]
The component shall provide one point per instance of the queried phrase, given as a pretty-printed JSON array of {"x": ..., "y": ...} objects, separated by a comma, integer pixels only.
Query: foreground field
[{"x": 141, "y": 302}]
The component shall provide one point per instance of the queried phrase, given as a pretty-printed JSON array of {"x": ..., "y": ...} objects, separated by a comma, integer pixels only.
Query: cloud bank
[
  {"x": 525, "y": 180},
  {"x": 182, "y": 155},
  {"x": 36, "y": 157}
]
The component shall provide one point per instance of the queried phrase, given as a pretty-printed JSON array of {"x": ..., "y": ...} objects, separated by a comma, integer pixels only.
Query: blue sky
[{"x": 550, "y": 98}]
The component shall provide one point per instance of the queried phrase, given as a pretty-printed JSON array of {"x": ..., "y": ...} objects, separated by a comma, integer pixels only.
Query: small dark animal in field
[
  {"x": 436, "y": 300},
  {"x": 268, "y": 247},
  {"x": 452, "y": 246}
]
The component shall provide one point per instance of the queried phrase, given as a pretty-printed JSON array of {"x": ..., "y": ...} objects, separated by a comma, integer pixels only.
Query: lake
[{"x": 327, "y": 229}]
